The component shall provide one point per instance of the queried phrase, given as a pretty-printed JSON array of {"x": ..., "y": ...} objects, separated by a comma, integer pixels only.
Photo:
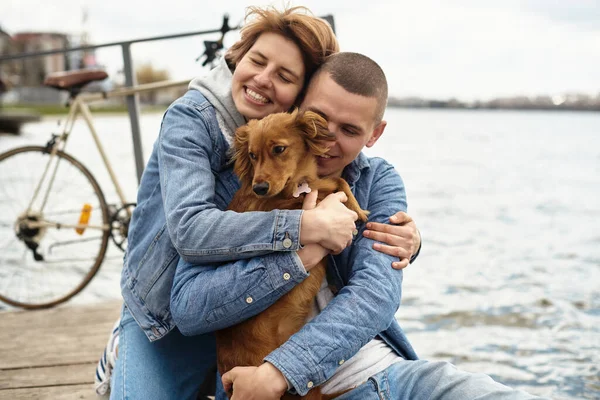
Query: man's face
[{"x": 350, "y": 117}]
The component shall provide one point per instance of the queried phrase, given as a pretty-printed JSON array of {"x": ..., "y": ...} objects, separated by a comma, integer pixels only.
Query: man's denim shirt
[
  {"x": 176, "y": 215},
  {"x": 209, "y": 297}
]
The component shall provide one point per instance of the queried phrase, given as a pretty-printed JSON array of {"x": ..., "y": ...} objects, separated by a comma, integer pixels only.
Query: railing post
[
  {"x": 133, "y": 106},
  {"x": 330, "y": 20}
]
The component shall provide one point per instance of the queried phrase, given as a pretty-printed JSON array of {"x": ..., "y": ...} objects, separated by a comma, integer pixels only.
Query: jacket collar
[{"x": 353, "y": 170}]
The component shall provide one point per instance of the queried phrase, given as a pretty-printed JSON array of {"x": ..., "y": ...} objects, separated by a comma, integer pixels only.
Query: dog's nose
[{"x": 261, "y": 188}]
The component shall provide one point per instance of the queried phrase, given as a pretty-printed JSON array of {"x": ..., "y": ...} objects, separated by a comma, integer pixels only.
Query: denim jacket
[
  {"x": 213, "y": 296},
  {"x": 176, "y": 215}
]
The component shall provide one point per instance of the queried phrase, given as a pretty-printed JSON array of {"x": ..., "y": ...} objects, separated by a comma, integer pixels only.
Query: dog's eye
[
  {"x": 252, "y": 156},
  {"x": 278, "y": 149}
]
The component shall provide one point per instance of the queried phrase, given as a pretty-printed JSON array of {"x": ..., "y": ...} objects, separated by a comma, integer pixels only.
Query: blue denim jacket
[
  {"x": 176, "y": 215},
  {"x": 211, "y": 296}
]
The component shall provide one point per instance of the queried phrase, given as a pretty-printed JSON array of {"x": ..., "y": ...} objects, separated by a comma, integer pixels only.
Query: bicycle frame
[{"x": 79, "y": 106}]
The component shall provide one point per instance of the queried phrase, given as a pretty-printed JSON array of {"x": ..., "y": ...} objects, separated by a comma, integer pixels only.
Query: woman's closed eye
[{"x": 285, "y": 78}]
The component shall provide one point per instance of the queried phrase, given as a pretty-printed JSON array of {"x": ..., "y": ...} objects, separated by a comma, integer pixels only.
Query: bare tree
[{"x": 146, "y": 73}]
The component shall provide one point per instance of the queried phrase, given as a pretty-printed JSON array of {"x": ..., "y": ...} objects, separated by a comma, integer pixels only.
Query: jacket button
[
  {"x": 310, "y": 384},
  {"x": 341, "y": 361},
  {"x": 286, "y": 276},
  {"x": 287, "y": 243},
  {"x": 249, "y": 299}
]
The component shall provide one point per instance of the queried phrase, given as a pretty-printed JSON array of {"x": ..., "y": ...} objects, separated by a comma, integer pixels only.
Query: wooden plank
[
  {"x": 55, "y": 317},
  {"x": 74, "y": 374},
  {"x": 64, "y": 335},
  {"x": 54, "y": 351},
  {"x": 69, "y": 392},
  {"x": 52, "y": 354}
]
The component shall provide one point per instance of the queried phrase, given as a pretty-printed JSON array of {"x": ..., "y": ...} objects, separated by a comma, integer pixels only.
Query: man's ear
[{"x": 377, "y": 132}]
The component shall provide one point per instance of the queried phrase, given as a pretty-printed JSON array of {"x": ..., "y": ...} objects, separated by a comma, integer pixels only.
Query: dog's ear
[
  {"x": 242, "y": 166},
  {"x": 316, "y": 132}
]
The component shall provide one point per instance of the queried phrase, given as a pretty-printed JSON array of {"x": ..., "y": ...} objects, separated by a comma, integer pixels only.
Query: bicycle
[
  {"x": 51, "y": 220},
  {"x": 55, "y": 223}
]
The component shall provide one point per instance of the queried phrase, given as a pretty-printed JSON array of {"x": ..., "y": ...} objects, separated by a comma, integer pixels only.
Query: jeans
[
  {"x": 173, "y": 367},
  {"x": 416, "y": 380}
]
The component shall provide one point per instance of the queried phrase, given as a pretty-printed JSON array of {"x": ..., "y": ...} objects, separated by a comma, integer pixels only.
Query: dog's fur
[{"x": 260, "y": 160}]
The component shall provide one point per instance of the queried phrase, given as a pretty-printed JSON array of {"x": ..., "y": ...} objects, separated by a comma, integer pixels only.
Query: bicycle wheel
[{"x": 48, "y": 252}]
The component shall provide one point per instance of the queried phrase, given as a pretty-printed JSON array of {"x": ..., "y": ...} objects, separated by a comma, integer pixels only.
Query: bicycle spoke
[
  {"x": 50, "y": 260},
  {"x": 7, "y": 202},
  {"x": 7, "y": 244}
]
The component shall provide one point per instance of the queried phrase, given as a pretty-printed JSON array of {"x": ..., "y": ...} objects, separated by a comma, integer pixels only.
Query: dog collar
[{"x": 302, "y": 188}]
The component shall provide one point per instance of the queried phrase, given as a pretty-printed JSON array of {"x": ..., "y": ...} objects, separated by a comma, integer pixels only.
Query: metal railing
[{"x": 132, "y": 100}]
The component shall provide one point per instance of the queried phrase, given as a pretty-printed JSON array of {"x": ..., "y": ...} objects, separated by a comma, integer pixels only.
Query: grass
[{"x": 55, "y": 109}]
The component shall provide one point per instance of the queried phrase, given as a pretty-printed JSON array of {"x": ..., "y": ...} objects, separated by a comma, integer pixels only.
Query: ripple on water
[
  {"x": 592, "y": 260},
  {"x": 453, "y": 289},
  {"x": 566, "y": 256},
  {"x": 503, "y": 316},
  {"x": 552, "y": 208}
]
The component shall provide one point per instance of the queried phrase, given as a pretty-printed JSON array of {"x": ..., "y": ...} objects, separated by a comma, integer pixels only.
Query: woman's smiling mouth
[{"x": 259, "y": 98}]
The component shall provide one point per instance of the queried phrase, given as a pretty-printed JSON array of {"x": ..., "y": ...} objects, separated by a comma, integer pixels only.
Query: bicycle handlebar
[{"x": 212, "y": 46}]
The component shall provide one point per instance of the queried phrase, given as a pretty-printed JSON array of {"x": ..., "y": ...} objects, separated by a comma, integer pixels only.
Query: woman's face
[{"x": 268, "y": 78}]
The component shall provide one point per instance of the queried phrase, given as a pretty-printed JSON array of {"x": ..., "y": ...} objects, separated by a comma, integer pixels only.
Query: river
[{"x": 508, "y": 205}]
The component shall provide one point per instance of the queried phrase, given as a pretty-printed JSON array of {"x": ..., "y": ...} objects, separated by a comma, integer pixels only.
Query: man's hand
[
  {"x": 311, "y": 255},
  {"x": 255, "y": 383},
  {"x": 330, "y": 223},
  {"x": 401, "y": 239}
]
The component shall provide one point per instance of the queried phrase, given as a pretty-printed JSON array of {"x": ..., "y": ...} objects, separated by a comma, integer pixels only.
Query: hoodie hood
[{"x": 216, "y": 87}]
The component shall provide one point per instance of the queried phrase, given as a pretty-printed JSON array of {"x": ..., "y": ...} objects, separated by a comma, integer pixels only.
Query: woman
[{"x": 176, "y": 216}]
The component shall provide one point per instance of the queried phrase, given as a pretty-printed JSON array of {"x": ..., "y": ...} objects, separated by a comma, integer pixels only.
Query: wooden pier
[{"x": 52, "y": 354}]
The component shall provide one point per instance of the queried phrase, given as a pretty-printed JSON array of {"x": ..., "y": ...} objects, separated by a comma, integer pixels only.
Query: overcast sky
[{"x": 438, "y": 49}]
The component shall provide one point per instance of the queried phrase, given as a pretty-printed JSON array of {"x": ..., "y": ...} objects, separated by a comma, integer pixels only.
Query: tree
[{"x": 146, "y": 73}]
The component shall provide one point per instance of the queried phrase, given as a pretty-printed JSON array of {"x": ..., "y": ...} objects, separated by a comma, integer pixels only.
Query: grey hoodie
[{"x": 216, "y": 87}]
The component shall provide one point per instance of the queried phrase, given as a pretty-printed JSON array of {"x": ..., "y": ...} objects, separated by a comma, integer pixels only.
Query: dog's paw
[{"x": 363, "y": 215}]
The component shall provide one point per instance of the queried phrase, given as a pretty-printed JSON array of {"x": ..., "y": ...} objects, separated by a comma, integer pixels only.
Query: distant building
[
  {"x": 5, "y": 42},
  {"x": 27, "y": 75},
  {"x": 34, "y": 69},
  {"x": 81, "y": 59},
  {"x": 6, "y": 69}
]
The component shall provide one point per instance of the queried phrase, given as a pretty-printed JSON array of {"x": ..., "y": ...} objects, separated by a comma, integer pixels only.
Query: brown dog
[{"x": 273, "y": 157}]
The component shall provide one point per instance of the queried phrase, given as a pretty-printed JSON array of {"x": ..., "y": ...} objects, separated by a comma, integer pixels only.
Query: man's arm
[{"x": 400, "y": 238}]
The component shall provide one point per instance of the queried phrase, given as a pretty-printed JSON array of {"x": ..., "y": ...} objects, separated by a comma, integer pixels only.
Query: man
[{"x": 354, "y": 342}]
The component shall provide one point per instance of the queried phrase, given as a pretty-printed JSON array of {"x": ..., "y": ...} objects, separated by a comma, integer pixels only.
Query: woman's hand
[
  {"x": 330, "y": 223},
  {"x": 311, "y": 255},
  {"x": 401, "y": 238},
  {"x": 255, "y": 383}
]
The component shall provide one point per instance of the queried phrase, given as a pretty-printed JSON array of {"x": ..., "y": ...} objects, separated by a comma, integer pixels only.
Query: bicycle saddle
[{"x": 74, "y": 79}]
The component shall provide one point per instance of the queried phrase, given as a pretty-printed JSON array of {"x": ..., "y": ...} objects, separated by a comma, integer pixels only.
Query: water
[{"x": 508, "y": 281}]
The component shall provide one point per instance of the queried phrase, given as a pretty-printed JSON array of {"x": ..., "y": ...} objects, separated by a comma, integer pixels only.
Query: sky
[{"x": 466, "y": 49}]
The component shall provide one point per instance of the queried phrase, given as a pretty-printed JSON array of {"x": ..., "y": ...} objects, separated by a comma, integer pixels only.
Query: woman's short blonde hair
[{"x": 312, "y": 35}]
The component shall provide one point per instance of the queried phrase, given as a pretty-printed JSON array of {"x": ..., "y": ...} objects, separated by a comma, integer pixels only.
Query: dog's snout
[{"x": 261, "y": 188}]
